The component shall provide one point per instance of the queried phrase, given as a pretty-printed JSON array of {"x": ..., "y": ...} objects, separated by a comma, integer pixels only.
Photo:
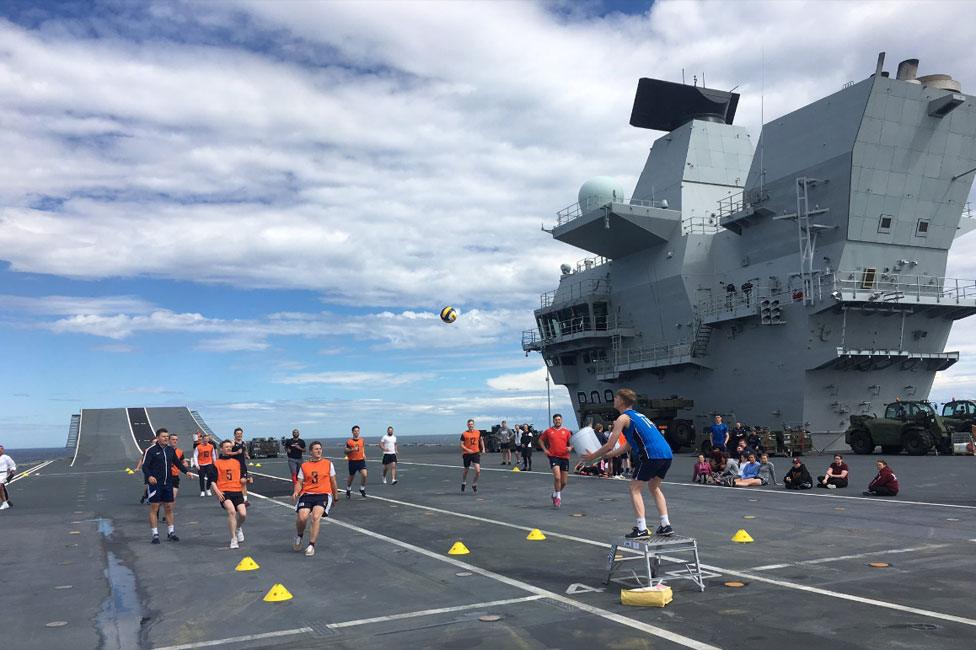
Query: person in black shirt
[
  {"x": 156, "y": 468},
  {"x": 239, "y": 451},
  {"x": 294, "y": 449}
]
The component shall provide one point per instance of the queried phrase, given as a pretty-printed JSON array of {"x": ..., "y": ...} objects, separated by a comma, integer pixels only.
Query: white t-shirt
[
  {"x": 7, "y": 464},
  {"x": 388, "y": 444}
]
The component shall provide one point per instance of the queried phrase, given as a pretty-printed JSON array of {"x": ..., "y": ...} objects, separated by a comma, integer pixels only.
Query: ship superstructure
[{"x": 788, "y": 283}]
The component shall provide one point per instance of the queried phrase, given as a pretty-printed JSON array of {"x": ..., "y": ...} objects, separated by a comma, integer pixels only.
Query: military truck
[
  {"x": 912, "y": 426},
  {"x": 959, "y": 415},
  {"x": 679, "y": 432},
  {"x": 263, "y": 448}
]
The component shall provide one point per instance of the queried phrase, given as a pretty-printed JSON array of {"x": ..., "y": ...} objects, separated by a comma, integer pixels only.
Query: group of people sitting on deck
[{"x": 750, "y": 469}]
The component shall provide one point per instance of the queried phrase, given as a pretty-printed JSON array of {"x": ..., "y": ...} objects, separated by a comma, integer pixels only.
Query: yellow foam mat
[{"x": 657, "y": 596}]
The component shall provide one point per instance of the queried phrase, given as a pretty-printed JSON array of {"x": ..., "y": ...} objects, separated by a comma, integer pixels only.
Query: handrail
[
  {"x": 569, "y": 327},
  {"x": 575, "y": 291},
  {"x": 862, "y": 284}
]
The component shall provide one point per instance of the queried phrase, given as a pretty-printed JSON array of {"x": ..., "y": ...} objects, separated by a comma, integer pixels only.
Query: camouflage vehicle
[
  {"x": 959, "y": 415},
  {"x": 914, "y": 427},
  {"x": 263, "y": 448}
]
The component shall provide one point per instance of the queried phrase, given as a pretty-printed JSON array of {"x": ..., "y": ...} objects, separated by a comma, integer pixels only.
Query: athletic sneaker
[
  {"x": 203, "y": 494},
  {"x": 831, "y": 486},
  {"x": 4, "y": 506},
  {"x": 638, "y": 534},
  {"x": 209, "y": 493},
  {"x": 172, "y": 537},
  {"x": 384, "y": 480},
  {"x": 474, "y": 488},
  {"x": 310, "y": 551},
  {"x": 362, "y": 491},
  {"x": 394, "y": 483},
  {"x": 297, "y": 547},
  {"x": 240, "y": 534},
  {"x": 556, "y": 501},
  {"x": 348, "y": 493},
  {"x": 234, "y": 544},
  {"x": 867, "y": 494},
  {"x": 463, "y": 486},
  {"x": 155, "y": 539},
  {"x": 664, "y": 531}
]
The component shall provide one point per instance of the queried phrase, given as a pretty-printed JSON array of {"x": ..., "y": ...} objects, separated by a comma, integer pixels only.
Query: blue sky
[{"x": 257, "y": 208}]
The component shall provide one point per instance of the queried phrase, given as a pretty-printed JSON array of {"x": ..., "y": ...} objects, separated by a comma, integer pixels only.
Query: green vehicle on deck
[
  {"x": 914, "y": 427},
  {"x": 959, "y": 415}
]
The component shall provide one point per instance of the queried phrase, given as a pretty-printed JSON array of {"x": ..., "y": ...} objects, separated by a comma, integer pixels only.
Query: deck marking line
[
  {"x": 236, "y": 639},
  {"x": 81, "y": 421},
  {"x": 791, "y": 493},
  {"x": 838, "y": 558},
  {"x": 30, "y": 471},
  {"x": 524, "y": 586},
  {"x": 432, "y": 612}
]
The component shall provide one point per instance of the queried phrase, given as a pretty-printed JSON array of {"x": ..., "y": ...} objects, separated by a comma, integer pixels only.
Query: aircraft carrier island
[{"x": 788, "y": 283}]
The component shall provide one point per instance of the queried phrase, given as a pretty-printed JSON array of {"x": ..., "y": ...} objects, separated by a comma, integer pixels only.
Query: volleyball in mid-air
[{"x": 449, "y": 314}]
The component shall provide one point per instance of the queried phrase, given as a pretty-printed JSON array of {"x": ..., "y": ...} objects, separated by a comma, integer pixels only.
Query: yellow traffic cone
[
  {"x": 277, "y": 594},
  {"x": 129, "y": 471},
  {"x": 458, "y": 549},
  {"x": 742, "y": 537},
  {"x": 516, "y": 469},
  {"x": 251, "y": 464},
  {"x": 247, "y": 564},
  {"x": 536, "y": 535},
  {"x": 257, "y": 465}
]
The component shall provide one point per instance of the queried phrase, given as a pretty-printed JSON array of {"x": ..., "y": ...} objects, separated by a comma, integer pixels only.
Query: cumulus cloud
[
  {"x": 354, "y": 379},
  {"x": 533, "y": 381}
]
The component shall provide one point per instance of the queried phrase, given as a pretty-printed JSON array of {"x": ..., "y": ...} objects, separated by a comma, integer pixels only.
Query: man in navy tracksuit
[{"x": 159, "y": 483}]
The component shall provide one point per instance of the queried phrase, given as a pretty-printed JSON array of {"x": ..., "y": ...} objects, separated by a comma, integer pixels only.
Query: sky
[{"x": 257, "y": 209}]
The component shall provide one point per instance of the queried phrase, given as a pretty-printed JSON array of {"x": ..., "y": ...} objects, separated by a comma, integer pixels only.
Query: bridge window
[
  {"x": 608, "y": 396},
  {"x": 581, "y": 397},
  {"x": 884, "y": 224},
  {"x": 595, "y": 397},
  {"x": 922, "y": 228},
  {"x": 867, "y": 278}
]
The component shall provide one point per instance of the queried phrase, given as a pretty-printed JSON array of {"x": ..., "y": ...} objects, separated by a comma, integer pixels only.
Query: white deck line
[
  {"x": 741, "y": 574},
  {"x": 139, "y": 450},
  {"x": 524, "y": 586},
  {"x": 236, "y": 639},
  {"x": 81, "y": 421},
  {"x": 856, "y": 556},
  {"x": 784, "y": 492},
  {"x": 432, "y": 612},
  {"x": 27, "y": 472}
]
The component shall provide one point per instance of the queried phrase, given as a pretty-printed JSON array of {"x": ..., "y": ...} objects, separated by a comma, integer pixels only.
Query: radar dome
[{"x": 600, "y": 189}]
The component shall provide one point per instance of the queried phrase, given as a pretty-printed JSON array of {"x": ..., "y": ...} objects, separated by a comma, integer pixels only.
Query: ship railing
[
  {"x": 575, "y": 291},
  {"x": 578, "y": 209},
  {"x": 864, "y": 284},
  {"x": 700, "y": 226},
  {"x": 737, "y": 202},
  {"x": 588, "y": 263},
  {"x": 736, "y": 302},
  {"x": 658, "y": 355},
  {"x": 570, "y": 327}
]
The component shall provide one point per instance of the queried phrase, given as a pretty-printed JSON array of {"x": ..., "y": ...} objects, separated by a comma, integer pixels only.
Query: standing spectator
[
  {"x": 295, "y": 449},
  {"x": 885, "y": 484},
  {"x": 729, "y": 295},
  {"x": 747, "y": 291},
  {"x": 767, "y": 470},
  {"x": 754, "y": 441},
  {"x": 601, "y": 433},
  {"x": 836, "y": 476},
  {"x": 720, "y": 433},
  {"x": 527, "y": 444},
  {"x": 556, "y": 445},
  {"x": 505, "y": 441},
  {"x": 7, "y": 469},
  {"x": 739, "y": 432},
  {"x": 702, "y": 470},
  {"x": 517, "y": 444},
  {"x": 798, "y": 478}
]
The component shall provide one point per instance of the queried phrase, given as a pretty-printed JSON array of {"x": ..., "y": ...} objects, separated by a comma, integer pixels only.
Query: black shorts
[
  {"x": 562, "y": 463},
  {"x": 356, "y": 465},
  {"x": 176, "y": 481},
  {"x": 309, "y": 501},
  {"x": 389, "y": 458},
  {"x": 471, "y": 458},
  {"x": 647, "y": 468},
  {"x": 159, "y": 493},
  {"x": 505, "y": 446},
  {"x": 237, "y": 498}
]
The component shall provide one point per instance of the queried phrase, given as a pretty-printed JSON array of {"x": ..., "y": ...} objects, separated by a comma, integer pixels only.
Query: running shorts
[
  {"x": 389, "y": 458},
  {"x": 159, "y": 493},
  {"x": 471, "y": 458},
  {"x": 309, "y": 501},
  {"x": 356, "y": 465},
  {"x": 562, "y": 463},
  {"x": 647, "y": 468},
  {"x": 237, "y": 498}
]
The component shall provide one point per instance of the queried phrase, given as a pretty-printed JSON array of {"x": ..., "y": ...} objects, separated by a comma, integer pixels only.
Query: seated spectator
[
  {"x": 836, "y": 476},
  {"x": 702, "y": 469},
  {"x": 731, "y": 470},
  {"x": 885, "y": 484},
  {"x": 798, "y": 478},
  {"x": 767, "y": 470},
  {"x": 601, "y": 434},
  {"x": 750, "y": 475}
]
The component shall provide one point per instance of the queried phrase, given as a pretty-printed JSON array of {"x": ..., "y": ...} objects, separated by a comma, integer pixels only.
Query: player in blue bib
[{"x": 651, "y": 455}]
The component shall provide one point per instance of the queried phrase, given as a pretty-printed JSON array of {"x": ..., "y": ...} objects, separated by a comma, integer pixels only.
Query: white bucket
[
  {"x": 959, "y": 448},
  {"x": 585, "y": 441}
]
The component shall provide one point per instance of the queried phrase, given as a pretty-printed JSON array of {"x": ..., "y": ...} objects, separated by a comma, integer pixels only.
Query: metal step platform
[{"x": 652, "y": 550}]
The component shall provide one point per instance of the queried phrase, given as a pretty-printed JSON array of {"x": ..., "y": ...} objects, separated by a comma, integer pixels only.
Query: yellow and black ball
[{"x": 449, "y": 314}]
